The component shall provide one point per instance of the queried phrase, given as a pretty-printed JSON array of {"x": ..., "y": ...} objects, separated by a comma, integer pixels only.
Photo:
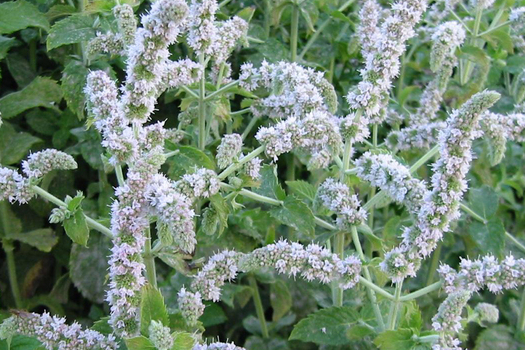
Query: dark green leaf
[
  {"x": 395, "y": 340},
  {"x": 42, "y": 92},
  {"x": 14, "y": 145},
  {"x": 483, "y": 201},
  {"x": 152, "y": 308},
  {"x": 327, "y": 326},
  {"x": 213, "y": 315},
  {"x": 497, "y": 337},
  {"x": 270, "y": 186},
  {"x": 72, "y": 83},
  {"x": 43, "y": 239},
  {"x": 490, "y": 237},
  {"x": 280, "y": 299},
  {"x": 295, "y": 214},
  {"x": 187, "y": 158},
  {"x": 17, "y": 15}
]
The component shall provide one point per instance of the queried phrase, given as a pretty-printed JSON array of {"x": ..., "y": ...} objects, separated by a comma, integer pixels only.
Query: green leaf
[
  {"x": 42, "y": 92},
  {"x": 215, "y": 217},
  {"x": 21, "y": 342},
  {"x": 497, "y": 337},
  {"x": 296, "y": 214},
  {"x": 14, "y": 145},
  {"x": 302, "y": 189},
  {"x": 43, "y": 239},
  {"x": 310, "y": 13},
  {"x": 20, "y": 69},
  {"x": 182, "y": 341},
  {"x": 12, "y": 223},
  {"x": 187, "y": 158},
  {"x": 395, "y": 340},
  {"x": 71, "y": 30},
  {"x": 490, "y": 237},
  {"x": 483, "y": 201},
  {"x": 76, "y": 228},
  {"x": 152, "y": 307},
  {"x": 88, "y": 267},
  {"x": 5, "y": 44},
  {"x": 17, "y": 15},
  {"x": 72, "y": 84},
  {"x": 139, "y": 343},
  {"x": 280, "y": 299},
  {"x": 270, "y": 186},
  {"x": 213, "y": 315},
  {"x": 327, "y": 326}
]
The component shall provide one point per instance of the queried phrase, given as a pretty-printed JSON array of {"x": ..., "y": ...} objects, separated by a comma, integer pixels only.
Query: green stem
[
  {"x": 472, "y": 213},
  {"x": 7, "y": 244},
  {"x": 171, "y": 153},
  {"x": 468, "y": 64},
  {"x": 394, "y": 310},
  {"x": 376, "y": 288},
  {"x": 521, "y": 320},
  {"x": 249, "y": 127},
  {"x": 267, "y": 17},
  {"x": 339, "y": 248},
  {"x": 32, "y": 54},
  {"x": 370, "y": 291},
  {"x": 202, "y": 108},
  {"x": 90, "y": 222},
  {"x": 232, "y": 168},
  {"x": 252, "y": 195},
  {"x": 258, "y": 306},
  {"x": 221, "y": 90},
  {"x": 431, "y": 153},
  {"x": 434, "y": 263},
  {"x": 294, "y": 31},
  {"x": 190, "y": 91},
  {"x": 488, "y": 31},
  {"x": 423, "y": 291},
  {"x": 120, "y": 175},
  {"x": 515, "y": 241},
  {"x": 149, "y": 260}
]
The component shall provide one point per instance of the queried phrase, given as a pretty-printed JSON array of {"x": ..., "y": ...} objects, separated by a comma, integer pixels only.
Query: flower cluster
[
  {"x": 417, "y": 136},
  {"x": 202, "y": 183},
  {"x": 220, "y": 268},
  {"x": 54, "y": 333},
  {"x": 253, "y": 168},
  {"x": 190, "y": 305},
  {"x": 228, "y": 34},
  {"x": 126, "y": 21},
  {"x": 368, "y": 30},
  {"x": 174, "y": 214},
  {"x": 317, "y": 134},
  {"x": 313, "y": 263},
  {"x": 487, "y": 271},
  {"x": 481, "y": 4},
  {"x": 382, "y": 60},
  {"x": 447, "y": 321},
  {"x": 383, "y": 171},
  {"x": 229, "y": 150},
  {"x": 500, "y": 128},
  {"x": 336, "y": 196},
  {"x": 160, "y": 335},
  {"x": 217, "y": 346},
  {"x": 354, "y": 128},
  {"x": 487, "y": 312},
  {"x": 446, "y": 39},
  {"x": 517, "y": 17},
  {"x": 441, "y": 205},
  {"x": 294, "y": 90}
]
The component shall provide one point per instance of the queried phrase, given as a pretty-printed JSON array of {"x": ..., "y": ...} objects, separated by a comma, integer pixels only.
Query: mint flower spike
[
  {"x": 126, "y": 21},
  {"x": 500, "y": 128},
  {"x": 202, "y": 32},
  {"x": 383, "y": 171},
  {"x": 228, "y": 34},
  {"x": 54, "y": 333},
  {"x": 160, "y": 336},
  {"x": 447, "y": 321},
  {"x": 229, "y": 150},
  {"x": 382, "y": 62},
  {"x": 217, "y": 346},
  {"x": 441, "y": 204},
  {"x": 368, "y": 29},
  {"x": 40, "y": 163},
  {"x": 190, "y": 305},
  {"x": 446, "y": 38},
  {"x": 417, "y": 136}
]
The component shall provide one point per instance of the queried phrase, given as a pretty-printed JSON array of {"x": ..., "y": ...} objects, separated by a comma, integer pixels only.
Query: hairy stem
[
  {"x": 423, "y": 291},
  {"x": 434, "y": 264},
  {"x": 294, "y": 32},
  {"x": 149, "y": 260},
  {"x": 394, "y": 310},
  {"x": 258, "y": 305},
  {"x": 202, "y": 107},
  {"x": 232, "y": 168}
]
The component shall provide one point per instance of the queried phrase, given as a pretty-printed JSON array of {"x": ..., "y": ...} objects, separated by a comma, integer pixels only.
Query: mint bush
[{"x": 262, "y": 175}]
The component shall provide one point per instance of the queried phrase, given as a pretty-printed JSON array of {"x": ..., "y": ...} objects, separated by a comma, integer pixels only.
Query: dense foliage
[{"x": 262, "y": 174}]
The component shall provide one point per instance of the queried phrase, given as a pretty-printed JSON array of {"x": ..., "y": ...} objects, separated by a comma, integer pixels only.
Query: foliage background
[{"x": 43, "y": 67}]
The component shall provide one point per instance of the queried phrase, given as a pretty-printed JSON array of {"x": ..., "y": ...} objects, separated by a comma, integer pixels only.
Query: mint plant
[{"x": 400, "y": 148}]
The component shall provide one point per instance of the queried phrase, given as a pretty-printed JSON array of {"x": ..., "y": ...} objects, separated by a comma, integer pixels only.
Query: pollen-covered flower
[
  {"x": 447, "y": 321},
  {"x": 190, "y": 305},
  {"x": 336, "y": 196},
  {"x": 108, "y": 43},
  {"x": 54, "y": 333},
  {"x": 353, "y": 128},
  {"x": 229, "y": 150}
]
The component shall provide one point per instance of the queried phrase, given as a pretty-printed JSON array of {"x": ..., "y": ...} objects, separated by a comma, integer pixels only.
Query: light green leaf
[
  {"x": 395, "y": 340},
  {"x": 498, "y": 337},
  {"x": 215, "y": 217},
  {"x": 139, "y": 343},
  {"x": 42, "y": 92},
  {"x": 296, "y": 214},
  {"x": 270, "y": 186},
  {"x": 152, "y": 308},
  {"x": 43, "y": 239},
  {"x": 182, "y": 341},
  {"x": 21, "y": 342},
  {"x": 302, "y": 189},
  {"x": 280, "y": 299},
  {"x": 76, "y": 228},
  {"x": 327, "y": 326},
  {"x": 490, "y": 237},
  {"x": 484, "y": 201},
  {"x": 88, "y": 267},
  {"x": 17, "y": 15},
  {"x": 71, "y": 30}
]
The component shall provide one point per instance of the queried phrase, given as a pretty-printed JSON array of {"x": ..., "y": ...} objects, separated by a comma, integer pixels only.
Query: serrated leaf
[
  {"x": 187, "y": 158},
  {"x": 213, "y": 315},
  {"x": 280, "y": 299},
  {"x": 152, "y": 307},
  {"x": 302, "y": 189},
  {"x": 14, "y": 145},
  {"x": 270, "y": 186},
  {"x": 43, "y": 239},
  {"x": 17, "y": 15},
  {"x": 215, "y": 217},
  {"x": 42, "y": 92},
  {"x": 71, "y": 30},
  {"x": 296, "y": 214},
  {"x": 76, "y": 227},
  {"x": 182, "y": 341},
  {"x": 5, "y": 44},
  {"x": 72, "y": 84},
  {"x": 483, "y": 201},
  {"x": 400, "y": 339},
  {"x": 327, "y": 326},
  {"x": 139, "y": 343},
  {"x": 88, "y": 267},
  {"x": 21, "y": 342}
]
